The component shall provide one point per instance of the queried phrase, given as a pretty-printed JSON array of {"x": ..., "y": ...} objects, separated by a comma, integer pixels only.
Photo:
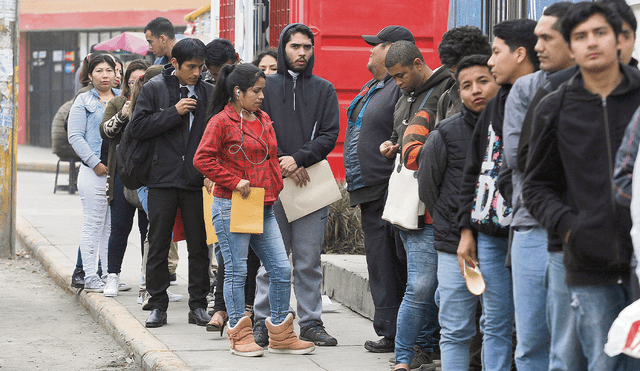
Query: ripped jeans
[{"x": 96, "y": 227}]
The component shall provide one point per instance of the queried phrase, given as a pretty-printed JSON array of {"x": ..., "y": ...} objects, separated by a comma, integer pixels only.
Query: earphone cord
[{"x": 240, "y": 149}]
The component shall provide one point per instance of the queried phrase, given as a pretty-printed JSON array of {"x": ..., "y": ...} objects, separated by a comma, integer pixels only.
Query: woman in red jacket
[{"x": 239, "y": 151}]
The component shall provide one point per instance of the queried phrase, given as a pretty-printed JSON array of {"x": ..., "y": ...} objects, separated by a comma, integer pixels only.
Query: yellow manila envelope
[
  {"x": 247, "y": 215},
  {"x": 207, "y": 202},
  {"x": 321, "y": 191}
]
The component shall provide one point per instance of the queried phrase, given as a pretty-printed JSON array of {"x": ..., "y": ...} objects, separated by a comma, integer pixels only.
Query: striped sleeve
[{"x": 414, "y": 137}]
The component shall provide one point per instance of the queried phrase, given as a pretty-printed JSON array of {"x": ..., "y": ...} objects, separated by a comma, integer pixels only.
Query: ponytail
[{"x": 221, "y": 93}]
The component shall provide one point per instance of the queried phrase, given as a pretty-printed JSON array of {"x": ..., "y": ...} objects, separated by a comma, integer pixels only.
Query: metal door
[{"x": 52, "y": 62}]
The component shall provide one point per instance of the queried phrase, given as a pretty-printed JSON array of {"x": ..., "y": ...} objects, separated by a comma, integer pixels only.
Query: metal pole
[{"x": 9, "y": 31}]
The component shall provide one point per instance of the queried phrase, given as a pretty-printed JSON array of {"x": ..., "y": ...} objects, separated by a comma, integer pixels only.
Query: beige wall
[{"x": 64, "y": 6}]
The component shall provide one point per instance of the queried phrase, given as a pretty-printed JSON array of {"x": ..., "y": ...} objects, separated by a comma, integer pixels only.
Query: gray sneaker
[
  {"x": 421, "y": 361},
  {"x": 93, "y": 284}
]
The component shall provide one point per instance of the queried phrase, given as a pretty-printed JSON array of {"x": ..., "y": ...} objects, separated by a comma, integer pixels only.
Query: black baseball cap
[{"x": 391, "y": 34}]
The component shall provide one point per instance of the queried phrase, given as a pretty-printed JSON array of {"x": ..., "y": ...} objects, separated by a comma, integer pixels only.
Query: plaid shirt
[{"x": 220, "y": 159}]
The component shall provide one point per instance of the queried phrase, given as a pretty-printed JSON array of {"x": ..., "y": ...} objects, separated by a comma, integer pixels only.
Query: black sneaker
[
  {"x": 260, "y": 333},
  {"x": 316, "y": 333},
  {"x": 422, "y": 360},
  {"x": 77, "y": 278},
  {"x": 384, "y": 345}
]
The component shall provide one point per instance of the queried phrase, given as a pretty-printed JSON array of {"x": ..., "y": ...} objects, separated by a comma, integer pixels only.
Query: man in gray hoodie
[{"x": 304, "y": 110}]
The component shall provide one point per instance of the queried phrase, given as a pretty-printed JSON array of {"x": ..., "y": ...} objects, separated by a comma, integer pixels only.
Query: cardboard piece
[{"x": 321, "y": 191}]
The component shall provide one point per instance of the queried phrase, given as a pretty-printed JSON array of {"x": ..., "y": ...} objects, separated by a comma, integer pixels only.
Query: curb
[
  {"x": 346, "y": 279},
  {"x": 43, "y": 168},
  {"x": 148, "y": 351}
]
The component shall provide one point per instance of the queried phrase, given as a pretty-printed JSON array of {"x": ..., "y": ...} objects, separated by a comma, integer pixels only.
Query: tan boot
[
  {"x": 241, "y": 338},
  {"x": 282, "y": 339}
]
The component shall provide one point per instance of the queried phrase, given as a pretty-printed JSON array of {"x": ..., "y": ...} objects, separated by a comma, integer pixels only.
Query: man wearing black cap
[{"x": 367, "y": 173}]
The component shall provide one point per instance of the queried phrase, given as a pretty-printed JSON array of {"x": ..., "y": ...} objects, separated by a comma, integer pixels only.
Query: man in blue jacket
[
  {"x": 367, "y": 174},
  {"x": 304, "y": 110}
]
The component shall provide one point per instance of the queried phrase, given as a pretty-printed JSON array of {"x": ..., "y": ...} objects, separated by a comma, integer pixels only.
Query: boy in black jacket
[
  {"x": 441, "y": 162},
  {"x": 484, "y": 216},
  {"x": 568, "y": 178}
]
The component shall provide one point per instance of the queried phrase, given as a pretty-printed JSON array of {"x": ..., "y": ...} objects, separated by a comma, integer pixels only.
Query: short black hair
[
  {"x": 580, "y": 12},
  {"x": 625, "y": 11},
  {"x": 462, "y": 41},
  {"x": 263, "y": 54},
  {"x": 471, "y": 61},
  {"x": 402, "y": 52},
  {"x": 298, "y": 28},
  {"x": 519, "y": 33},
  {"x": 219, "y": 52},
  {"x": 558, "y": 10},
  {"x": 187, "y": 49},
  {"x": 161, "y": 26}
]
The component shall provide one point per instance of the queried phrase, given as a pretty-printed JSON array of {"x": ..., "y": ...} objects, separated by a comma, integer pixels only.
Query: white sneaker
[
  {"x": 111, "y": 288},
  {"x": 140, "y": 297},
  {"x": 174, "y": 297},
  {"x": 124, "y": 287},
  {"x": 93, "y": 284}
]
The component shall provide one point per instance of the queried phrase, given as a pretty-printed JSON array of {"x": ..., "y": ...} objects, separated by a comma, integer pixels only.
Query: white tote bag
[{"x": 403, "y": 208}]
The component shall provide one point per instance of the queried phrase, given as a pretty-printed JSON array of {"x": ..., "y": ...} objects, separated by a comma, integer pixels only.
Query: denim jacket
[{"x": 84, "y": 126}]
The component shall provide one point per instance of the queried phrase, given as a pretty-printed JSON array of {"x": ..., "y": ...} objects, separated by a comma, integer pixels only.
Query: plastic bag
[{"x": 624, "y": 335}]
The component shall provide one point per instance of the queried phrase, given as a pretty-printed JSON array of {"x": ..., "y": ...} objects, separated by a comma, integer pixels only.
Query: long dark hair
[
  {"x": 242, "y": 75},
  {"x": 137, "y": 87},
  {"x": 136, "y": 65}
]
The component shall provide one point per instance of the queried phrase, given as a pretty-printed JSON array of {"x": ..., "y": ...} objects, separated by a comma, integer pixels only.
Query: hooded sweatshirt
[
  {"x": 568, "y": 178},
  {"x": 304, "y": 110}
]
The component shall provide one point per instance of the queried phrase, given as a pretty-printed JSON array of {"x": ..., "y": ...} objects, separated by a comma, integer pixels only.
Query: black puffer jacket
[
  {"x": 441, "y": 163},
  {"x": 156, "y": 116}
]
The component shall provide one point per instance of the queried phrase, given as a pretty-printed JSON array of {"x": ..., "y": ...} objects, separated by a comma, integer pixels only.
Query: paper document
[
  {"x": 247, "y": 215},
  {"x": 321, "y": 191}
]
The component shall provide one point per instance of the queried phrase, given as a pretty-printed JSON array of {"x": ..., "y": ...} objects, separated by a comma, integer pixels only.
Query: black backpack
[{"x": 134, "y": 159}]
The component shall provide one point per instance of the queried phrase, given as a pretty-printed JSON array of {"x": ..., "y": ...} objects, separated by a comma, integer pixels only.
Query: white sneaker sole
[
  {"x": 292, "y": 351},
  {"x": 110, "y": 294},
  {"x": 257, "y": 353}
]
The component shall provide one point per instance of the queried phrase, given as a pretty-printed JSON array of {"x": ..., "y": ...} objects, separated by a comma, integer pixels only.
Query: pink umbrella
[{"x": 134, "y": 42}]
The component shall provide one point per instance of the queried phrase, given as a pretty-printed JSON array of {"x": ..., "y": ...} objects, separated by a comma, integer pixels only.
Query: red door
[{"x": 341, "y": 53}]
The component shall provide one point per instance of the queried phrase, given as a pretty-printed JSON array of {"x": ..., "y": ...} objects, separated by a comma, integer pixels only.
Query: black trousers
[
  {"x": 163, "y": 206},
  {"x": 387, "y": 273}
]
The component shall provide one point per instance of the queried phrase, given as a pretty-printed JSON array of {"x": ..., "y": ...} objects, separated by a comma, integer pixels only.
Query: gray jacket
[{"x": 518, "y": 102}]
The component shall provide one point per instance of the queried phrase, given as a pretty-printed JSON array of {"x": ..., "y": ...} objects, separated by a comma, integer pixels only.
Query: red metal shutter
[
  {"x": 278, "y": 19},
  {"x": 228, "y": 19}
]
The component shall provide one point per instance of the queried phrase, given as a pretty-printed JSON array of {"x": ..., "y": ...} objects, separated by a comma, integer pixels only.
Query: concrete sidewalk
[{"x": 49, "y": 224}]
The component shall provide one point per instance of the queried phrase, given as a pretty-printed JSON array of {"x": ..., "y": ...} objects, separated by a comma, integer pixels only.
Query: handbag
[{"x": 403, "y": 207}]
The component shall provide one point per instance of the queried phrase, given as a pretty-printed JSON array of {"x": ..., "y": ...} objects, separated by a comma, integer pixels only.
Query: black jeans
[
  {"x": 163, "y": 206},
  {"x": 387, "y": 272},
  {"x": 121, "y": 223}
]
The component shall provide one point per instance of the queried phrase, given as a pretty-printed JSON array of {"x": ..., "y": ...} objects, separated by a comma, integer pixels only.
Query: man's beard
[{"x": 293, "y": 68}]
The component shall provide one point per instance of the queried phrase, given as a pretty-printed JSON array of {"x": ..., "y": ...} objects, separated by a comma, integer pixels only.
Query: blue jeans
[
  {"x": 529, "y": 258},
  {"x": 457, "y": 314},
  {"x": 418, "y": 313},
  {"x": 235, "y": 248},
  {"x": 565, "y": 352},
  {"x": 595, "y": 308},
  {"x": 497, "y": 303}
]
